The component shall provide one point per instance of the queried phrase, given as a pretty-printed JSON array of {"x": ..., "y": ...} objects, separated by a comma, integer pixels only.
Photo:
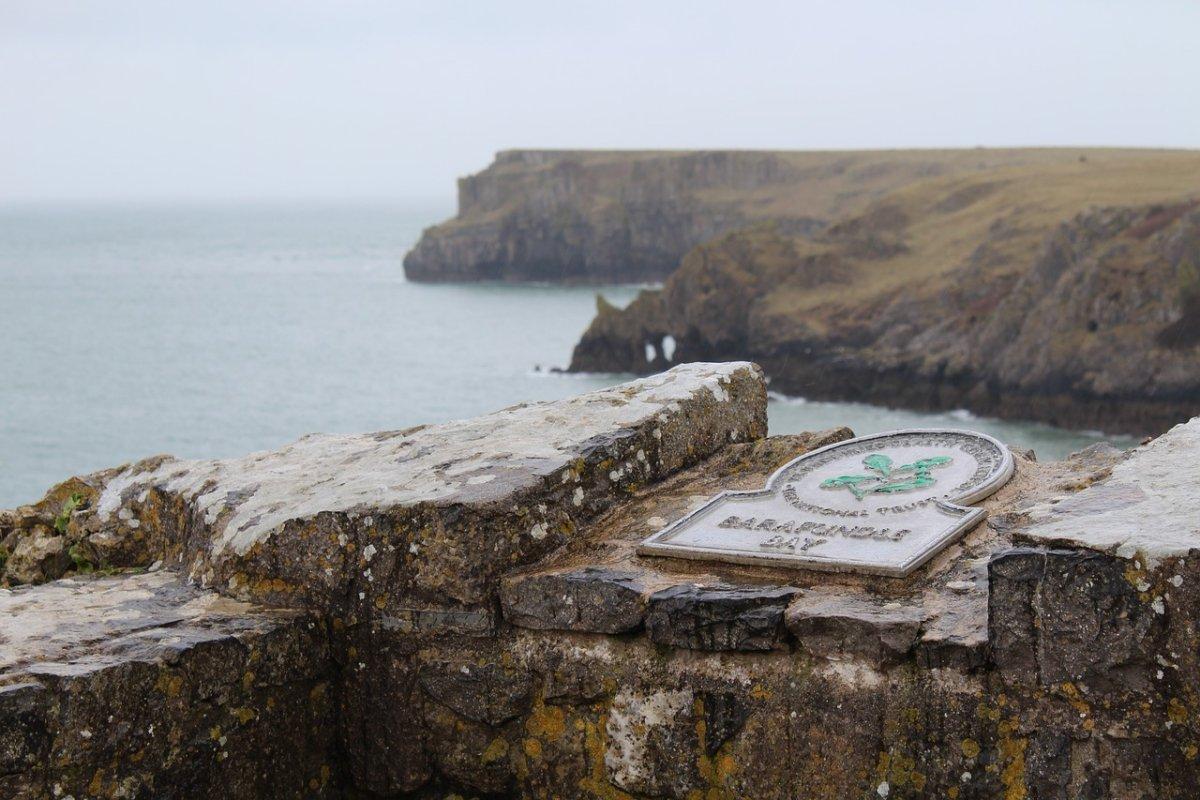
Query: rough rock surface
[
  {"x": 138, "y": 686},
  {"x": 1045, "y": 654},
  {"x": 846, "y": 625},
  {"x": 718, "y": 617},
  {"x": 1011, "y": 293},
  {"x": 608, "y": 217},
  {"x": 593, "y": 600},
  {"x": 394, "y": 520}
]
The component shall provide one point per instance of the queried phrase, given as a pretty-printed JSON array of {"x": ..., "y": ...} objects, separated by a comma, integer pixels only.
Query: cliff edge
[
  {"x": 571, "y": 216},
  {"x": 1065, "y": 293}
]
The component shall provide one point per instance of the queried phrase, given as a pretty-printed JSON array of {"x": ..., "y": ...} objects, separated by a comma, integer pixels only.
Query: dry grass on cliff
[{"x": 1007, "y": 212}]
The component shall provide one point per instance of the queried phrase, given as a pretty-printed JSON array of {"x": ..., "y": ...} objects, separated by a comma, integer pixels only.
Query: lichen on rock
[{"x": 1040, "y": 655}]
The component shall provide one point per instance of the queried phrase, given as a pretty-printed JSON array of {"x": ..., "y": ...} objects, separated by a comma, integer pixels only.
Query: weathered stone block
[
  {"x": 1070, "y": 615},
  {"x": 479, "y": 621},
  {"x": 719, "y": 617},
  {"x": 850, "y": 626},
  {"x": 567, "y": 678},
  {"x": 483, "y": 692},
  {"x": 382, "y": 730},
  {"x": 405, "y": 521},
  {"x": 24, "y": 735},
  {"x": 140, "y": 686},
  {"x": 647, "y": 735},
  {"x": 591, "y": 600}
]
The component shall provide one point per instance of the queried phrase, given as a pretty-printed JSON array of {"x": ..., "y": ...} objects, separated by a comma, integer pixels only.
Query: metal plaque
[{"x": 882, "y": 504}]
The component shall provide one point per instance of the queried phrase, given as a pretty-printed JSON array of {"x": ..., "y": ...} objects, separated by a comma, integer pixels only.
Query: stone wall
[{"x": 459, "y": 611}]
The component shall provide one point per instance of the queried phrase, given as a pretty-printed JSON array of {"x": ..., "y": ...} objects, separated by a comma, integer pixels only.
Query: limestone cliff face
[
  {"x": 947, "y": 296},
  {"x": 605, "y": 217},
  {"x": 545, "y": 216}
]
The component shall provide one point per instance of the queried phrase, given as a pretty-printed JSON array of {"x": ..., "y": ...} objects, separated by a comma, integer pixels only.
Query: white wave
[{"x": 787, "y": 399}]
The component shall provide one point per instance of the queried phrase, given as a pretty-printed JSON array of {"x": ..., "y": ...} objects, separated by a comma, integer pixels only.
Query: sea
[{"x": 216, "y": 329}]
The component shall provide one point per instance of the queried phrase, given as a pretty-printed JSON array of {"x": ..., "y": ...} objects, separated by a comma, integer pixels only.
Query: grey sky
[{"x": 297, "y": 98}]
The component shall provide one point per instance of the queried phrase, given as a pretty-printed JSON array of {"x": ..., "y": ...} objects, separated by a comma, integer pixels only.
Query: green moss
[
  {"x": 68, "y": 508},
  {"x": 3, "y": 558},
  {"x": 82, "y": 564}
]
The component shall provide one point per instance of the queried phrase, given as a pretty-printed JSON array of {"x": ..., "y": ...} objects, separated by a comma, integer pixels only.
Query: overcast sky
[{"x": 297, "y": 98}]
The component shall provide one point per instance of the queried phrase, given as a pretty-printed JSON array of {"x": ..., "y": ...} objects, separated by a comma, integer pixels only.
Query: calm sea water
[{"x": 215, "y": 330}]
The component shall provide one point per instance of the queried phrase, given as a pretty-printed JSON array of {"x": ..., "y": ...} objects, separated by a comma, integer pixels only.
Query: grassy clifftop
[
  {"x": 1064, "y": 290},
  {"x": 605, "y": 216}
]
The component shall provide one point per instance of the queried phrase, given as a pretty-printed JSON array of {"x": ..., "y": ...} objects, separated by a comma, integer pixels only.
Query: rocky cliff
[
  {"x": 461, "y": 611},
  {"x": 1068, "y": 294},
  {"x": 610, "y": 217}
]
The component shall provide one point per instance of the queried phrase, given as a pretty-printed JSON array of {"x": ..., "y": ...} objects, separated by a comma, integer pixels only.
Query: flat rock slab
[
  {"x": 138, "y": 685},
  {"x": 424, "y": 518},
  {"x": 1148, "y": 506},
  {"x": 91, "y": 620}
]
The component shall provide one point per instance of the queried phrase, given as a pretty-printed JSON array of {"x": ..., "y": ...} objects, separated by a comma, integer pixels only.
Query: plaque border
[{"x": 659, "y": 544}]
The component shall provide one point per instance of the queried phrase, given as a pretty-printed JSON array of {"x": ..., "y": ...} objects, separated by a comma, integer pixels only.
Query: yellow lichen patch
[
  {"x": 984, "y": 711},
  {"x": 1012, "y": 755},
  {"x": 532, "y": 747},
  {"x": 1191, "y": 751},
  {"x": 952, "y": 792},
  {"x": 1136, "y": 575},
  {"x": 244, "y": 715},
  {"x": 169, "y": 684},
  {"x": 970, "y": 748},
  {"x": 1075, "y": 698},
  {"x": 1176, "y": 711},
  {"x": 247, "y": 680},
  {"x": 272, "y": 586},
  {"x": 96, "y": 787},
  {"x": 596, "y": 783},
  {"x": 759, "y": 692},
  {"x": 214, "y": 732},
  {"x": 495, "y": 751},
  {"x": 546, "y": 722},
  {"x": 317, "y": 692},
  {"x": 900, "y": 770}
]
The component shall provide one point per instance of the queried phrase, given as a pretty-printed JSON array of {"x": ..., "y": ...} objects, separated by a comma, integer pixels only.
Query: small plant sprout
[{"x": 68, "y": 508}]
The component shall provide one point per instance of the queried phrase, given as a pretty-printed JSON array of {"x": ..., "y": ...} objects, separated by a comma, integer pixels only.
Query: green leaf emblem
[{"x": 885, "y": 478}]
